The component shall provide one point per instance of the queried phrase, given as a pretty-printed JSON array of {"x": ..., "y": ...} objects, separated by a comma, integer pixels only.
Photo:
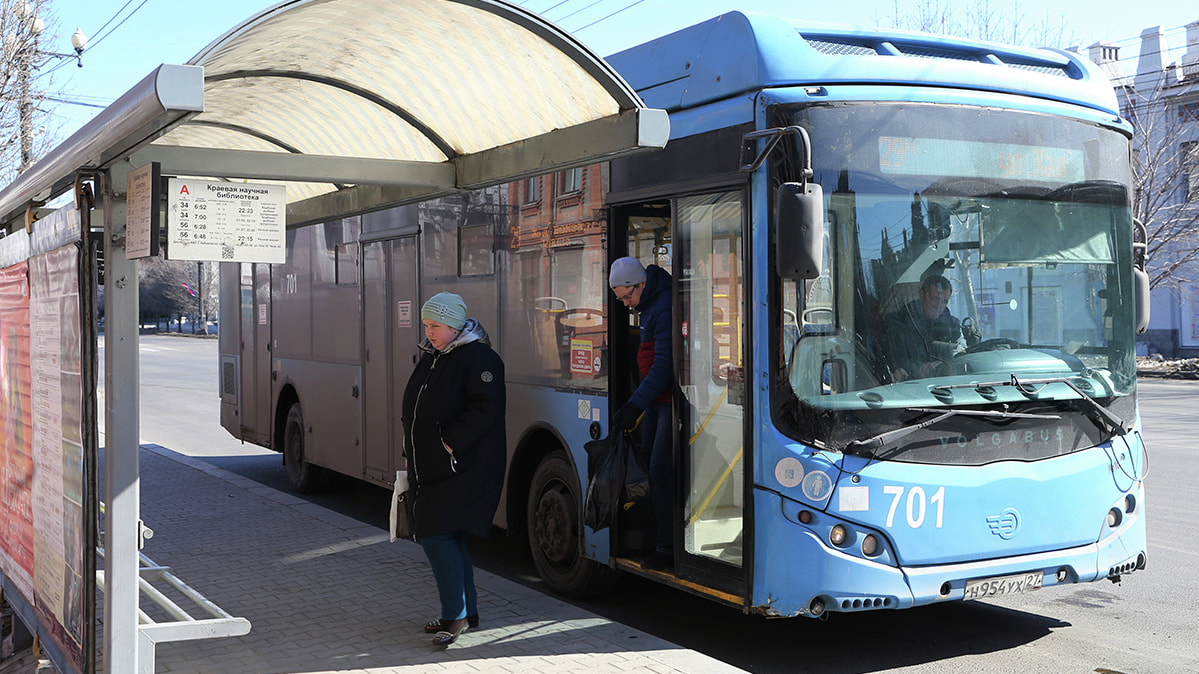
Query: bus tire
[
  {"x": 555, "y": 531},
  {"x": 303, "y": 477}
]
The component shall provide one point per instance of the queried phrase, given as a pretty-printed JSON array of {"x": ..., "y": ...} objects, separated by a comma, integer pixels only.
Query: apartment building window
[
  {"x": 532, "y": 190},
  {"x": 570, "y": 180},
  {"x": 1129, "y": 111},
  {"x": 476, "y": 250},
  {"x": 1190, "y": 169}
]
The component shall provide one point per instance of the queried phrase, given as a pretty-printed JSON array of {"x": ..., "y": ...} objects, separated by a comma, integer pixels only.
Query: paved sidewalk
[{"x": 327, "y": 593}]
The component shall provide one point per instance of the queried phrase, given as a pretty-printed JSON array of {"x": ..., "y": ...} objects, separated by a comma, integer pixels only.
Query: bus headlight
[
  {"x": 837, "y": 535},
  {"x": 1114, "y": 518}
]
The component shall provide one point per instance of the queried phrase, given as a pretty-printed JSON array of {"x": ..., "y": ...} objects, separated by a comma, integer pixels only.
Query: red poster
[
  {"x": 581, "y": 351},
  {"x": 16, "y": 430}
]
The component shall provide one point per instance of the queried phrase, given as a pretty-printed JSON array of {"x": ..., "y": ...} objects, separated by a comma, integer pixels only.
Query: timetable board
[{"x": 222, "y": 221}]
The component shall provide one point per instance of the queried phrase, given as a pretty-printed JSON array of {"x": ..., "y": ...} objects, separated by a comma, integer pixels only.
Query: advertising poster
[
  {"x": 57, "y": 384},
  {"x": 16, "y": 431},
  {"x": 42, "y": 457}
]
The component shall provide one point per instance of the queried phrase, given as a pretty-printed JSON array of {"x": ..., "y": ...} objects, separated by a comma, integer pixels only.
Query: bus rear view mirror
[
  {"x": 799, "y": 230},
  {"x": 1140, "y": 297},
  {"x": 1140, "y": 279}
]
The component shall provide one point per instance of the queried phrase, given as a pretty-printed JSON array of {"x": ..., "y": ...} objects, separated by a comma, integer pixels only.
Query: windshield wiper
[
  {"x": 1025, "y": 386},
  {"x": 872, "y": 443}
]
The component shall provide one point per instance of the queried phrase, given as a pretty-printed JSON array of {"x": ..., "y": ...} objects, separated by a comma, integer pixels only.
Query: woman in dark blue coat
[{"x": 456, "y": 447}]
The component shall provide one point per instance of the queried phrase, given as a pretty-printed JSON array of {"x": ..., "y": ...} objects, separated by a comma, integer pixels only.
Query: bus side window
[{"x": 790, "y": 333}]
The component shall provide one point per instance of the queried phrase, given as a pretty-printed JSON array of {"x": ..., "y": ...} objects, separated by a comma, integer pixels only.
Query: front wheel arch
[
  {"x": 303, "y": 476},
  {"x": 554, "y": 524}
]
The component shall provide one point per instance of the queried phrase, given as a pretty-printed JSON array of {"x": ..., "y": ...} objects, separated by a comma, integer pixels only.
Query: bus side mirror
[
  {"x": 1140, "y": 279},
  {"x": 1140, "y": 297},
  {"x": 799, "y": 230}
]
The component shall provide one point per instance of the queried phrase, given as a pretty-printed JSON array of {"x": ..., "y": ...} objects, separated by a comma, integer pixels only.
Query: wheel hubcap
[
  {"x": 292, "y": 450},
  {"x": 553, "y": 524}
]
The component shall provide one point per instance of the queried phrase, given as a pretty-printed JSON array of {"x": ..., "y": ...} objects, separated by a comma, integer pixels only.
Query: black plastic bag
[
  {"x": 636, "y": 474},
  {"x": 617, "y": 477},
  {"x": 605, "y": 480}
]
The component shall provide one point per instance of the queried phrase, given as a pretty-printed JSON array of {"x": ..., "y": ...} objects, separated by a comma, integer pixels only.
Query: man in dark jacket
[
  {"x": 456, "y": 447},
  {"x": 922, "y": 336},
  {"x": 648, "y": 291}
]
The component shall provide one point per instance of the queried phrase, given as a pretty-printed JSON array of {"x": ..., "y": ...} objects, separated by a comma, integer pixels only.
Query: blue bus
[{"x": 907, "y": 286}]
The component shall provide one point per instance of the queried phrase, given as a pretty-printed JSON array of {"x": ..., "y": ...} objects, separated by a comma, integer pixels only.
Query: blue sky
[{"x": 146, "y": 33}]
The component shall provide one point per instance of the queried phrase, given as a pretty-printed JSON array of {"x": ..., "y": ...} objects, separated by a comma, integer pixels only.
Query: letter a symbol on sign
[{"x": 183, "y": 190}]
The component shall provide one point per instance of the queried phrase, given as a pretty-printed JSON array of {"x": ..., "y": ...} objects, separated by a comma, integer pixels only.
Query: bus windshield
[{"x": 973, "y": 258}]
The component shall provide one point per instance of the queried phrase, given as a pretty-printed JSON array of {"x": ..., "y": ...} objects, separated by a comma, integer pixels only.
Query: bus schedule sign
[
  {"x": 141, "y": 212},
  {"x": 226, "y": 222}
]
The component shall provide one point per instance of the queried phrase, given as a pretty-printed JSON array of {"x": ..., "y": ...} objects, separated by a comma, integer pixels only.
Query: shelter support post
[{"x": 122, "y": 482}]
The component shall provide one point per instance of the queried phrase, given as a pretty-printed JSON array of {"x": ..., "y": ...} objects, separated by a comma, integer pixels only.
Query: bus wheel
[
  {"x": 555, "y": 532},
  {"x": 302, "y": 476}
]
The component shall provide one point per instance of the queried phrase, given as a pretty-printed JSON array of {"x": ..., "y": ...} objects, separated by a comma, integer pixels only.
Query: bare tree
[
  {"x": 166, "y": 290},
  {"x": 1165, "y": 182},
  {"x": 209, "y": 288},
  {"x": 983, "y": 20},
  {"x": 23, "y": 26}
]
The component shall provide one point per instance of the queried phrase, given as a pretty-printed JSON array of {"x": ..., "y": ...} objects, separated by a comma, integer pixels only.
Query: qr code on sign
[{"x": 226, "y": 252}]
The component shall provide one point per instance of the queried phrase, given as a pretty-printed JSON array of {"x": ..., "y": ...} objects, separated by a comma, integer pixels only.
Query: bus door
[
  {"x": 391, "y": 332},
  {"x": 254, "y": 352},
  {"x": 710, "y": 346},
  {"x": 698, "y": 239}
]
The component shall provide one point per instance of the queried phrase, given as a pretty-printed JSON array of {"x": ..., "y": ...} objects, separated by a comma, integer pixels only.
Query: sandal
[
  {"x": 435, "y": 626},
  {"x": 450, "y": 633}
]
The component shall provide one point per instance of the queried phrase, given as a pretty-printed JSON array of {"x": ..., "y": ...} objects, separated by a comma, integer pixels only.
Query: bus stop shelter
[{"x": 356, "y": 105}]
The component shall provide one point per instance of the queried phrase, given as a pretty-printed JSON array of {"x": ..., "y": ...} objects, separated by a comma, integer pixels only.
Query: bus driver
[{"x": 922, "y": 335}]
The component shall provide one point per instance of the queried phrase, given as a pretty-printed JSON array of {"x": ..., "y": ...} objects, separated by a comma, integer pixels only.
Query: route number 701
[{"x": 917, "y": 505}]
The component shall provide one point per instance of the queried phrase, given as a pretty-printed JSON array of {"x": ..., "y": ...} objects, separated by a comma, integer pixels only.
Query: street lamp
[
  {"x": 24, "y": 56},
  {"x": 78, "y": 41}
]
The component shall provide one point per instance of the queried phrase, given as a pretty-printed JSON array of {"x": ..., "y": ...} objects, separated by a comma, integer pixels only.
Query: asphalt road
[{"x": 1145, "y": 624}]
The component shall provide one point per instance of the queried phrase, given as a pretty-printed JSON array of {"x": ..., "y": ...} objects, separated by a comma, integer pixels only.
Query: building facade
[{"x": 1162, "y": 102}]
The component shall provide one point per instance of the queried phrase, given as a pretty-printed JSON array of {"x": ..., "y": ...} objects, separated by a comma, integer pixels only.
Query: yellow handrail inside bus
[
  {"x": 700, "y": 431},
  {"x": 727, "y": 471},
  {"x": 719, "y": 483}
]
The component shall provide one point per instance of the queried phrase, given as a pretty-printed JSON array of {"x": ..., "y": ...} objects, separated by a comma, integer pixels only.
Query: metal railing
[{"x": 213, "y": 623}]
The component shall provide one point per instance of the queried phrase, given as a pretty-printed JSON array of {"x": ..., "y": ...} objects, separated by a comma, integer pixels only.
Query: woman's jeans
[
  {"x": 657, "y": 439},
  {"x": 454, "y": 574}
]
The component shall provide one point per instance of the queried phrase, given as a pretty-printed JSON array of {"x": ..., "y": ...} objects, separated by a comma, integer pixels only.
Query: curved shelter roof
[{"x": 363, "y": 104}]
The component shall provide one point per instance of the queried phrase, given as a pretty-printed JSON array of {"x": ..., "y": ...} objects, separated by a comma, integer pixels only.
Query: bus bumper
[
  {"x": 812, "y": 578},
  {"x": 1116, "y": 555}
]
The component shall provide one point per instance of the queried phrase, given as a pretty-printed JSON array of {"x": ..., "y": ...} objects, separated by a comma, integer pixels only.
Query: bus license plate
[{"x": 1003, "y": 585}]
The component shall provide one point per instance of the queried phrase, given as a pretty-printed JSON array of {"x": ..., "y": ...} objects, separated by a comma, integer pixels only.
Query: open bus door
[{"x": 699, "y": 240}]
